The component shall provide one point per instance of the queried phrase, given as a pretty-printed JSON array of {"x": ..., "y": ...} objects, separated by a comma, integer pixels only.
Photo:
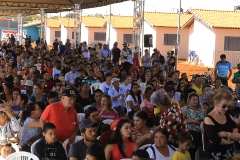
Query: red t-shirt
[{"x": 65, "y": 121}]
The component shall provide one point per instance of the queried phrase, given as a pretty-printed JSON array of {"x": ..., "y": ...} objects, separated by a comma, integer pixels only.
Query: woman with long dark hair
[
  {"x": 121, "y": 145},
  {"x": 135, "y": 98},
  {"x": 31, "y": 130},
  {"x": 142, "y": 130}
]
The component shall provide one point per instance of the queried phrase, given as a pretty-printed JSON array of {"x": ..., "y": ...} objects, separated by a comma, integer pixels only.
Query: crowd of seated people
[{"x": 106, "y": 104}]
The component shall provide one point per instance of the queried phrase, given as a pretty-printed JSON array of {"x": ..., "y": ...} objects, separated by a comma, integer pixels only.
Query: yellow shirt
[
  {"x": 179, "y": 156},
  {"x": 198, "y": 90},
  {"x": 175, "y": 102}
]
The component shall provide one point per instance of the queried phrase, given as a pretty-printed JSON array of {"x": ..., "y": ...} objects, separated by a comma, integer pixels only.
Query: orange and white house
[
  {"x": 93, "y": 29},
  {"x": 163, "y": 27},
  {"x": 214, "y": 32}
]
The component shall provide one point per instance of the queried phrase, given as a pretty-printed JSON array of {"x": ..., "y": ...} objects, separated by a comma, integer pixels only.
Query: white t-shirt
[
  {"x": 146, "y": 64},
  {"x": 124, "y": 54},
  {"x": 130, "y": 98},
  {"x": 125, "y": 88},
  {"x": 56, "y": 71},
  {"x": 85, "y": 54},
  {"x": 158, "y": 154},
  {"x": 104, "y": 87}
]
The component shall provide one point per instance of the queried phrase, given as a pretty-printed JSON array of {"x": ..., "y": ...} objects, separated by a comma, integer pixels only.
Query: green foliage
[{"x": 32, "y": 17}]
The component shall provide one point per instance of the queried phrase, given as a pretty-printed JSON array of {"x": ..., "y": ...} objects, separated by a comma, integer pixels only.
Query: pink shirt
[
  {"x": 147, "y": 104},
  {"x": 112, "y": 114}
]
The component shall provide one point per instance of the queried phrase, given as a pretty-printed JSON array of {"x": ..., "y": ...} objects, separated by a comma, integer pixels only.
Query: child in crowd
[
  {"x": 48, "y": 147},
  {"x": 184, "y": 143},
  {"x": 5, "y": 150},
  {"x": 140, "y": 155}
]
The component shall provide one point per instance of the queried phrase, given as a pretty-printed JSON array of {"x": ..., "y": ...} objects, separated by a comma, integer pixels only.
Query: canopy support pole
[
  {"x": 138, "y": 20},
  {"x": 20, "y": 28},
  {"x": 77, "y": 25},
  {"x": 68, "y": 33},
  {"x": 43, "y": 25}
]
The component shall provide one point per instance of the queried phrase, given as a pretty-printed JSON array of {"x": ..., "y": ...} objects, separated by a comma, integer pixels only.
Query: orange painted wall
[
  {"x": 120, "y": 33},
  {"x": 91, "y": 34}
]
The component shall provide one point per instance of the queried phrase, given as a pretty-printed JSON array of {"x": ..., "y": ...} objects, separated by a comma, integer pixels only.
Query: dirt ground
[{"x": 183, "y": 66}]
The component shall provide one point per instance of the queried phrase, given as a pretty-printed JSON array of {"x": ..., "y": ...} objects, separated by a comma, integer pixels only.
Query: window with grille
[
  {"x": 99, "y": 36},
  {"x": 127, "y": 38},
  {"x": 170, "y": 39},
  {"x": 58, "y": 34},
  {"x": 231, "y": 43}
]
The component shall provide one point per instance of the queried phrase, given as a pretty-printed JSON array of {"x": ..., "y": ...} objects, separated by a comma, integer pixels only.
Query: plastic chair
[
  {"x": 33, "y": 146},
  {"x": 143, "y": 86},
  {"x": 145, "y": 146},
  {"x": 94, "y": 87},
  {"x": 81, "y": 116},
  {"x": 86, "y": 108},
  {"x": 21, "y": 155},
  {"x": 107, "y": 121},
  {"x": 65, "y": 143},
  {"x": 15, "y": 147}
]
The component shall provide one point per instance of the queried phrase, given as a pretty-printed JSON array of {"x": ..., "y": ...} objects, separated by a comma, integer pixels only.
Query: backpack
[{"x": 154, "y": 153}]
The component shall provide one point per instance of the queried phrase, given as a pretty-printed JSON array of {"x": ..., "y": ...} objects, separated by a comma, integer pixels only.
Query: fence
[{"x": 232, "y": 56}]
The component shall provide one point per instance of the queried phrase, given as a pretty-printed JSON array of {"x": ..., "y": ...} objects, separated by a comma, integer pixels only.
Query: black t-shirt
[
  {"x": 84, "y": 101},
  {"x": 78, "y": 149},
  {"x": 49, "y": 151},
  {"x": 55, "y": 46}
]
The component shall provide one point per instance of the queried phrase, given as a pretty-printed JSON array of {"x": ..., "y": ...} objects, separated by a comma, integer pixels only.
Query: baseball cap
[
  {"x": 28, "y": 83},
  {"x": 69, "y": 93},
  {"x": 114, "y": 80},
  {"x": 86, "y": 123},
  {"x": 114, "y": 124},
  {"x": 124, "y": 44}
]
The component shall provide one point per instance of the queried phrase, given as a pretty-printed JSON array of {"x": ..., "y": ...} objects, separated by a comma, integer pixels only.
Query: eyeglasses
[
  {"x": 224, "y": 106},
  {"x": 2, "y": 112}
]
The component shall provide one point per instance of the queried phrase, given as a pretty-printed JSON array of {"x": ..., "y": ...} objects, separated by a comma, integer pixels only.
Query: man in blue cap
[{"x": 88, "y": 132}]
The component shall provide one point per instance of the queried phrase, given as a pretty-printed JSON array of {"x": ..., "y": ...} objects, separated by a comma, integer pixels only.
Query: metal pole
[
  {"x": 109, "y": 29},
  {"x": 68, "y": 33},
  {"x": 141, "y": 54},
  {"x": 178, "y": 35}
]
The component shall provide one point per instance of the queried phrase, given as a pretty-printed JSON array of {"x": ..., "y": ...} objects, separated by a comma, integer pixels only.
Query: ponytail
[{"x": 27, "y": 112}]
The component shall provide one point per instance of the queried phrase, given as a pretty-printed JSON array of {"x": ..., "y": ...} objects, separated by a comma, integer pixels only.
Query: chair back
[
  {"x": 22, "y": 156},
  {"x": 33, "y": 146},
  {"x": 107, "y": 121},
  {"x": 65, "y": 143},
  {"x": 81, "y": 116},
  {"x": 94, "y": 86},
  {"x": 145, "y": 146},
  {"x": 86, "y": 108}
]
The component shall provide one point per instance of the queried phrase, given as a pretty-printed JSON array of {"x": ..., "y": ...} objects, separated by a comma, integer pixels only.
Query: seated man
[
  {"x": 48, "y": 147},
  {"x": 88, "y": 132}
]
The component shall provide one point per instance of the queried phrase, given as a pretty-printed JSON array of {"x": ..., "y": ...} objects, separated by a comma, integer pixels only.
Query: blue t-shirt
[
  {"x": 16, "y": 111},
  {"x": 62, "y": 48},
  {"x": 33, "y": 98},
  {"x": 223, "y": 68}
]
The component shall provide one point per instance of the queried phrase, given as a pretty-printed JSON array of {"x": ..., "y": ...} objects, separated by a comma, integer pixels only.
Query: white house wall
[
  {"x": 48, "y": 35},
  {"x": 63, "y": 33},
  {"x": 113, "y": 35},
  {"x": 148, "y": 29},
  {"x": 202, "y": 40},
  {"x": 84, "y": 33}
]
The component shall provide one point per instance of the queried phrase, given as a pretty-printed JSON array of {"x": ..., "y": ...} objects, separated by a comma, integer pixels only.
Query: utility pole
[{"x": 178, "y": 34}]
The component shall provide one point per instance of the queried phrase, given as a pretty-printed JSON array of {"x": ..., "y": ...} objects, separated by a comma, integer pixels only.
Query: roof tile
[
  {"x": 218, "y": 18},
  {"x": 121, "y": 21},
  {"x": 88, "y": 21},
  {"x": 161, "y": 19}
]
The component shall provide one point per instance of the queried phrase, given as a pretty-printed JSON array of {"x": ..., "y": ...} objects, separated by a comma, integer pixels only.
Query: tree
[{"x": 32, "y": 17}]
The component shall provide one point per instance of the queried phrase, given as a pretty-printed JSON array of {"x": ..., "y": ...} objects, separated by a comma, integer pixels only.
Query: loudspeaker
[{"x": 148, "y": 40}]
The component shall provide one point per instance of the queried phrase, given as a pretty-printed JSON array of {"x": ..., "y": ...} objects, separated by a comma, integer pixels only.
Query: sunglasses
[
  {"x": 2, "y": 112},
  {"x": 224, "y": 106}
]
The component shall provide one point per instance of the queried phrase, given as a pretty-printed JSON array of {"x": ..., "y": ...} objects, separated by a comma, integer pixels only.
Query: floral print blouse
[
  {"x": 173, "y": 120},
  {"x": 28, "y": 132},
  {"x": 194, "y": 115}
]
